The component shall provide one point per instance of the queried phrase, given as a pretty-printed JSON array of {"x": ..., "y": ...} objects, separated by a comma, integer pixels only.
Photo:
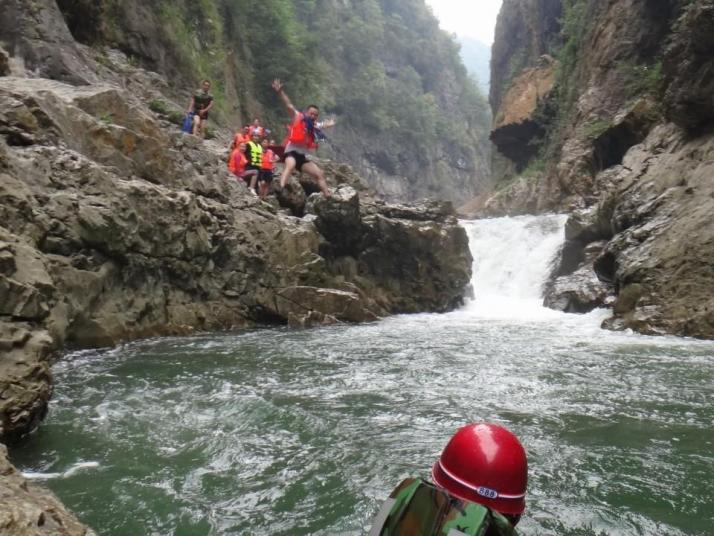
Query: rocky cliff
[
  {"x": 606, "y": 110},
  {"x": 411, "y": 121},
  {"x": 115, "y": 226}
]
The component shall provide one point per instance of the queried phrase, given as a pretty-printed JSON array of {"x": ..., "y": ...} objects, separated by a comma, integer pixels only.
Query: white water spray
[
  {"x": 512, "y": 259},
  {"x": 76, "y": 468}
]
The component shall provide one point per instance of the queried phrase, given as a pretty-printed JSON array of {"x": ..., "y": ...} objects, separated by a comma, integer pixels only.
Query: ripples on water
[{"x": 306, "y": 432}]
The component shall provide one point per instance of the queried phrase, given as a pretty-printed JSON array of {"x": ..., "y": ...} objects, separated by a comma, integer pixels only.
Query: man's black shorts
[{"x": 300, "y": 159}]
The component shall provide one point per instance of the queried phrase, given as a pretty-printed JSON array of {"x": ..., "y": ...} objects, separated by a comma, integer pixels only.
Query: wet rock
[
  {"x": 30, "y": 510},
  {"x": 313, "y": 303},
  {"x": 4, "y": 62},
  {"x": 310, "y": 319},
  {"x": 25, "y": 377},
  {"x": 338, "y": 219},
  {"x": 580, "y": 290}
]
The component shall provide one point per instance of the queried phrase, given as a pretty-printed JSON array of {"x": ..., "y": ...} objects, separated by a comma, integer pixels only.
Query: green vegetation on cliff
[{"x": 395, "y": 81}]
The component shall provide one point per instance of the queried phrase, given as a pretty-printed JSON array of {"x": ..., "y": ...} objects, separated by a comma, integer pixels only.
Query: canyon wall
[{"x": 605, "y": 109}]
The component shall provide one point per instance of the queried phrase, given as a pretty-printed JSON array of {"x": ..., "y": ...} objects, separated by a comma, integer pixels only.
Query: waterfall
[{"x": 512, "y": 259}]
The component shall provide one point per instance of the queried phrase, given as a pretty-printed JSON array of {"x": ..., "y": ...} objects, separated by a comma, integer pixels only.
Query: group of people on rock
[
  {"x": 252, "y": 157},
  {"x": 253, "y": 154}
]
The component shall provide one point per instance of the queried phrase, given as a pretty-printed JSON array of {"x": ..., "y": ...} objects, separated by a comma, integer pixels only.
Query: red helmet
[{"x": 486, "y": 464}]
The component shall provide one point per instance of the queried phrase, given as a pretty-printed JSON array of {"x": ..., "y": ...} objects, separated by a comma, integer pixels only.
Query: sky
[{"x": 467, "y": 18}]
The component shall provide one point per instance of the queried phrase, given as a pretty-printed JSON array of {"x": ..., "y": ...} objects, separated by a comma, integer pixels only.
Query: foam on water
[{"x": 76, "y": 468}]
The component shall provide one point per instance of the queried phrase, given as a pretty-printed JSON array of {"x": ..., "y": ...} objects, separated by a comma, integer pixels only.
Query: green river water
[{"x": 292, "y": 432}]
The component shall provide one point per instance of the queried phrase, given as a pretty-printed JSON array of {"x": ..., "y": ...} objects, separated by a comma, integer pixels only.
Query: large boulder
[
  {"x": 338, "y": 219},
  {"x": 580, "y": 290},
  {"x": 301, "y": 305},
  {"x": 424, "y": 263}
]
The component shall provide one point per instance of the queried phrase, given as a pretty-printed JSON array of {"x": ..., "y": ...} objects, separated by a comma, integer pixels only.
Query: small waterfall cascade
[{"x": 513, "y": 257}]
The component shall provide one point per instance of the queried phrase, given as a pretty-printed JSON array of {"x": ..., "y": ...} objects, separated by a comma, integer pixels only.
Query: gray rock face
[
  {"x": 661, "y": 259},
  {"x": 688, "y": 68},
  {"x": 35, "y": 33},
  {"x": 580, "y": 290}
]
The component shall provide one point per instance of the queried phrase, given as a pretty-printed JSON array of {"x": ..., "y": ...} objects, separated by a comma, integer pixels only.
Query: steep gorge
[{"x": 605, "y": 110}]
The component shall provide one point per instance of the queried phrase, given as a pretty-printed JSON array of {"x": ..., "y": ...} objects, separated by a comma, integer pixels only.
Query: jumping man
[{"x": 301, "y": 139}]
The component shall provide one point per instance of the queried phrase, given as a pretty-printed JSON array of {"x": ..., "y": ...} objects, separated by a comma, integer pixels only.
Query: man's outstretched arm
[{"x": 278, "y": 87}]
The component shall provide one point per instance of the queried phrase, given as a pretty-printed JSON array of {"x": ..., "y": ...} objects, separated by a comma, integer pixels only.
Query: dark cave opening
[
  {"x": 610, "y": 147},
  {"x": 83, "y": 18}
]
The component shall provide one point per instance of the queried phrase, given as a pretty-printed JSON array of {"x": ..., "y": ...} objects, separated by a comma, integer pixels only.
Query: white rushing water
[{"x": 513, "y": 258}]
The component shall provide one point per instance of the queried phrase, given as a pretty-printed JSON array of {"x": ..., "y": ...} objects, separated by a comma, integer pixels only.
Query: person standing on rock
[
  {"x": 254, "y": 154},
  {"x": 201, "y": 103},
  {"x": 257, "y": 127},
  {"x": 301, "y": 139},
  {"x": 265, "y": 178},
  {"x": 237, "y": 162}
]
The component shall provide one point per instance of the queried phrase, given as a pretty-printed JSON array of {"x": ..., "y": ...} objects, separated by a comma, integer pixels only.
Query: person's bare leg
[
  {"x": 253, "y": 181},
  {"x": 311, "y": 168},
  {"x": 263, "y": 189},
  {"x": 196, "y": 125},
  {"x": 287, "y": 171}
]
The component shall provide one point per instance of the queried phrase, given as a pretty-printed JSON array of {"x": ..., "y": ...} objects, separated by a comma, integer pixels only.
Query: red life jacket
[{"x": 299, "y": 134}]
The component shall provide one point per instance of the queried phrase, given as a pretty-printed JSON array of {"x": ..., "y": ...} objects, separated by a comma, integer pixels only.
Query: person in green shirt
[
  {"x": 200, "y": 105},
  {"x": 479, "y": 489}
]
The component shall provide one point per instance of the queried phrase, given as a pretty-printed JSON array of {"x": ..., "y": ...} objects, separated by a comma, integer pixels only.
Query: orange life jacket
[
  {"x": 237, "y": 162},
  {"x": 268, "y": 158},
  {"x": 240, "y": 138},
  {"x": 299, "y": 134}
]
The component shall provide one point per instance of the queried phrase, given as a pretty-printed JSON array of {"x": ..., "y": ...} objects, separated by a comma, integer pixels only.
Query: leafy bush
[
  {"x": 158, "y": 106},
  {"x": 176, "y": 117}
]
